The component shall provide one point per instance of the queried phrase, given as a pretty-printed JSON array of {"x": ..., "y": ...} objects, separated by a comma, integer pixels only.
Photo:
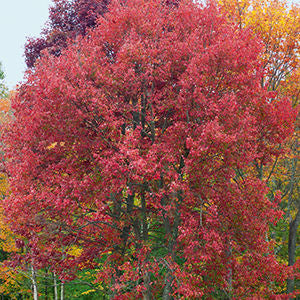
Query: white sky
[{"x": 19, "y": 19}]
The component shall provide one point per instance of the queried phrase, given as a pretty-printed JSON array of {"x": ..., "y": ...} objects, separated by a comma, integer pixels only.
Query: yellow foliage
[
  {"x": 11, "y": 282},
  {"x": 3, "y": 184},
  {"x": 5, "y": 108},
  {"x": 74, "y": 251},
  {"x": 4, "y": 105},
  {"x": 53, "y": 145},
  {"x": 278, "y": 26},
  {"x": 88, "y": 292}
]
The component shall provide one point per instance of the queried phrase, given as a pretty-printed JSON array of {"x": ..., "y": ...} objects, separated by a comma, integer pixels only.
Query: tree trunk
[
  {"x": 229, "y": 265},
  {"x": 55, "y": 286},
  {"x": 293, "y": 226},
  {"x": 147, "y": 293},
  {"x": 168, "y": 286},
  {"x": 34, "y": 283},
  {"x": 62, "y": 291},
  {"x": 46, "y": 285}
]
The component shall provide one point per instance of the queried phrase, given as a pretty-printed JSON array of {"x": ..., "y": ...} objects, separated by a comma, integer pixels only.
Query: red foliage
[{"x": 128, "y": 144}]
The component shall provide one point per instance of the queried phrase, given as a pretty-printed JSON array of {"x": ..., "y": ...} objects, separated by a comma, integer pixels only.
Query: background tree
[
  {"x": 67, "y": 20},
  {"x": 3, "y": 88},
  {"x": 11, "y": 282}
]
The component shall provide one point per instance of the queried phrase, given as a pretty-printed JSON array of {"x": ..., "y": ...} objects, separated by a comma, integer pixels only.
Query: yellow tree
[
  {"x": 278, "y": 25},
  {"x": 11, "y": 281}
]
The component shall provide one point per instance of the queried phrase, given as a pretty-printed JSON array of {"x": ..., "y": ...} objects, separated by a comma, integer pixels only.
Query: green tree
[{"x": 3, "y": 88}]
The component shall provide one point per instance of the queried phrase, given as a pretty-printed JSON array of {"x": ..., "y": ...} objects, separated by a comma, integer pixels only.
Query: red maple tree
[{"x": 133, "y": 146}]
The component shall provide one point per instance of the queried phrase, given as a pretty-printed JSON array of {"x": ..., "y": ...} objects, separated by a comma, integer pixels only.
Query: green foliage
[{"x": 3, "y": 88}]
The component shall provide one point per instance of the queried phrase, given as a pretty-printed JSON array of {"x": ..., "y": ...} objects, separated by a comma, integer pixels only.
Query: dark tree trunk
[{"x": 293, "y": 226}]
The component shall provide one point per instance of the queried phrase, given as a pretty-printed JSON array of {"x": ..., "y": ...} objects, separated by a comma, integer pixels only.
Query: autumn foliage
[{"x": 131, "y": 146}]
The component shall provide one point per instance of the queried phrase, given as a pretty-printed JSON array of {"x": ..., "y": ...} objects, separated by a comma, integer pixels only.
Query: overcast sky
[{"x": 19, "y": 19}]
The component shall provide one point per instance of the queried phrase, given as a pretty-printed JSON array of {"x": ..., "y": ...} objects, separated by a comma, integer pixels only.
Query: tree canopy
[{"x": 128, "y": 154}]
